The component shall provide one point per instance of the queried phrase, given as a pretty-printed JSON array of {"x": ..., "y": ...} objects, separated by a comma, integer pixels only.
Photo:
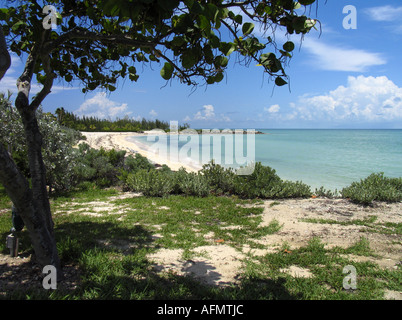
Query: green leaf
[
  {"x": 133, "y": 77},
  {"x": 227, "y": 48},
  {"x": 3, "y": 13},
  {"x": 219, "y": 77},
  {"x": 247, "y": 28},
  {"x": 167, "y": 71},
  {"x": 168, "y": 5},
  {"x": 214, "y": 41},
  {"x": 189, "y": 59},
  {"x": 289, "y": 46},
  {"x": 210, "y": 80},
  {"x": 197, "y": 8},
  {"x": 221, "y": 61},
  {"x": 204, "y": 23},
  {"x": 17, "y": 25},
  {"x": 280, "y": 82},
  {"x": 306, "y": 2},
  {"x": 178, "y": 41},
  {"x": 68, "y": 77},
  {"x": 267, "y": 58},
  {"x": 238, "y": 19}
]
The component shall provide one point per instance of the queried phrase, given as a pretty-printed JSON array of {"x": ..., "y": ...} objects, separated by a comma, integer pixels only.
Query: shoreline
[{"x": 119, "y": 141}]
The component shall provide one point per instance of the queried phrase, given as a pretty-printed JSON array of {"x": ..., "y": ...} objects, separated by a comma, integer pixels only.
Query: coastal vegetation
[
  {"x": 108, "y": 258},
  {"x": 375, "y": 187},
  {"x": 70, "y": 165},
  {"x": 95, "y": 124}
]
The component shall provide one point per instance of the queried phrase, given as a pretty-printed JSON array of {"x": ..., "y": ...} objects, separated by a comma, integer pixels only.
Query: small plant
[
  {"x": 151, "y": 183},
  {"x": 193, "y": 184},
  {"x": 322, "y": 192},
  {"x": 265, "y": 183},
  {"x": 375, "y": 187},
  {"x": 133, "y": 164},
  {"x": 220, "y": 180}
]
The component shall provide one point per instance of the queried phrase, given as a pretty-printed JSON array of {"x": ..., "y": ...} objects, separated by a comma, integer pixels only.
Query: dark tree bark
[{"x": 5, "y": 59}]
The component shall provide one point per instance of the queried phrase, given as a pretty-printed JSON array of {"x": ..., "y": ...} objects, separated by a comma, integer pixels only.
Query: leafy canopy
[{"x": 99, "y": 41}]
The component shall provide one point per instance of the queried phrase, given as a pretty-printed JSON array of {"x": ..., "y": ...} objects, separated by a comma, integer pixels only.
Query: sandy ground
[
  {"x": 221, "y": 264},
  {"x": 118, "y": 141}
]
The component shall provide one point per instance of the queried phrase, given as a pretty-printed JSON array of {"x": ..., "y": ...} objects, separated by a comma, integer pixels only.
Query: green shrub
[
  {"x": 219, "y": 179},
  {"x": 191, "y": 184},
  {"x": 296, "y": 189},
  {"x": 133, "y": 164},
  {"x": 137, "y": 162},
  {"x": 322, "y": 192},
  {"x": 375, "y": 187},
  {"x": 266, "y": 184},
  {"x": 153, "y": 183},
  {"x": 100, "y": 166},
  {"x": 262, "y": 183}
]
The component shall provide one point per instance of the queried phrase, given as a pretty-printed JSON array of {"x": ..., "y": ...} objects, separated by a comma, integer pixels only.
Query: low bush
[
  {"x": 265, "y": 183},
  {"x": 100, "y": 166},
  {"x": 219, "y": 179},
  {"x": 375, "y": 187},
  {"x": 153, "y": 183},
  {"x": 133, "y": 164},
  {"x": 322, "y": 192},
  {"x": 137, "y": 162},
  {"x": 191, "y": 184}
]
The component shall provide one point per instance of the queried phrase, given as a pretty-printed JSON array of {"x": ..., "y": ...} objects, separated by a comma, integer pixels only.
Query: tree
[
  {"x": 59, "y": 157},
  {"x": 99, "y": 41}
]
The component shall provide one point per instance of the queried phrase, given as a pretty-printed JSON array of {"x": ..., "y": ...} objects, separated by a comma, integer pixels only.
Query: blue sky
[{"x": 339, "y": 78}]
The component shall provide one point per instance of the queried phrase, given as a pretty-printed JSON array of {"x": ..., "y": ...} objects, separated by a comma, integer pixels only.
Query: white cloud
[
  {"x": 363, "y": 99},
  {"x": 101, "y": 107},
  {"x": 273, "y": 109},
  {"x": 207, "y": 113},
  {"x": 153, "y": 113},
  {"x": 384, "y": 13},
  {"x": 388, "y": 14},
  {"x": 332, "y": 58},
  {"x": 187, "y": 118}
]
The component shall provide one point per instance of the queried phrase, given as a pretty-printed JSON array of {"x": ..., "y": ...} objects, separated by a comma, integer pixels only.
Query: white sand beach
[{"x": 119, "y": 141}]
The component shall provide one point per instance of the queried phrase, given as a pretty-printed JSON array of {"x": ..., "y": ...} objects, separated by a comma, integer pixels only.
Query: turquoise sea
[{"x": 329, "y": 158}]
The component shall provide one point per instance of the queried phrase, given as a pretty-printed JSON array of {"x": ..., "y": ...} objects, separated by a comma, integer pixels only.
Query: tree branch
[{"x": 47, "y": 86}]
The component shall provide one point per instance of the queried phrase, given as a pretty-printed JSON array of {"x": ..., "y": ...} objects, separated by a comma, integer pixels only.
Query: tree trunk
[
  {"x": 17, "y": 188},
  {"x": 32, "y": 204},
  {"x": 5, "y": 59}
]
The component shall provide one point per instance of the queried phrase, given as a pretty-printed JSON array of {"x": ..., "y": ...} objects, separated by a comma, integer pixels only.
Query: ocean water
[{"x": 329, "y": 158}]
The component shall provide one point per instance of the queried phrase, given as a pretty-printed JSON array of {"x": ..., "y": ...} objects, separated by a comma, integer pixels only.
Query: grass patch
[
  {"x": 370, "y": 224},
  {"x": 110, "y": 251},
  {"x": 326, "y": 267}
]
